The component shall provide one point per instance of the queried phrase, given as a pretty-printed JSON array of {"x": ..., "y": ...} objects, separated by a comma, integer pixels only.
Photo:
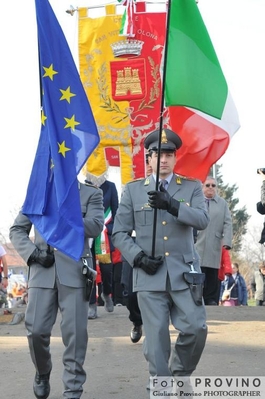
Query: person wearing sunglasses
[{"x": 210, "y": 241}]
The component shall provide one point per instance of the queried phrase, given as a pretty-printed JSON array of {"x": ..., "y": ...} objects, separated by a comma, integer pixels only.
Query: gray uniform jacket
[
  {"x": 174, "y": 235},
  {"x": 218, "y": 233},
  {"x": 68, "y": 270}
]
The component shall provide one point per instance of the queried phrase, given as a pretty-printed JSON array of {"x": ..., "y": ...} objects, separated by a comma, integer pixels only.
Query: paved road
[{"x": 116, "y": 368}]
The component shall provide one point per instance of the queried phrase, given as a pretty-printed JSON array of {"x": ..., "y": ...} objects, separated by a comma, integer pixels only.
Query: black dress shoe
[
  {"x": 136, "y": 333},
  {"x": 41, "y": 386}
]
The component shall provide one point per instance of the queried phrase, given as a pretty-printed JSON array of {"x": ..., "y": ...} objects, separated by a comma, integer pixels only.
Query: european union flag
[{"x": 68, "y": 137}]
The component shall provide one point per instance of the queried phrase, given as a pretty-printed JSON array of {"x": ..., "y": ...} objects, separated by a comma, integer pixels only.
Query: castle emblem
[{"x": 128, "y": 79}]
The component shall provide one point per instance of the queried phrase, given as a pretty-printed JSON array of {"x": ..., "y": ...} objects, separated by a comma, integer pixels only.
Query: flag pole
[
  {"x": 40, "y": 77},
  {"x": 161, "y": 122}
]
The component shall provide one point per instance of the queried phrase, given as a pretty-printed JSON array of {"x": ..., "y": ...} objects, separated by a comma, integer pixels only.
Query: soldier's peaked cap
[{"x": 170, "y": 141}]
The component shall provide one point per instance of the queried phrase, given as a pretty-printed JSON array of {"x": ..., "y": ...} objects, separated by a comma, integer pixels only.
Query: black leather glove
[
  {"x": 42, "y": 256},
  {"x": 148, "y": 263},
  {"x": 162, "y": 200}
]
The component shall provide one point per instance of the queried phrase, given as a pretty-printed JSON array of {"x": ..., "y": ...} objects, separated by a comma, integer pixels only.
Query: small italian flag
[{"x": 127, "y": 26}]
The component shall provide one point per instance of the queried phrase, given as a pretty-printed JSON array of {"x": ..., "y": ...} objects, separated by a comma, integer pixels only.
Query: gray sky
[{"x": 237, "y": 30}]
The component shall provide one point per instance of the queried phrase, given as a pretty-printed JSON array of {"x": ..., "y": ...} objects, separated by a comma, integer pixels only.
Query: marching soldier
[
  {"x": 159, "y": 279},
  {"x": 57, "y": 282}
]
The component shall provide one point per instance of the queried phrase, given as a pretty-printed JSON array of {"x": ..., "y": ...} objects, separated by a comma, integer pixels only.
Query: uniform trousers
[
  {"x": 41, "y": 314},
  {"x": 157, "y": 309}
]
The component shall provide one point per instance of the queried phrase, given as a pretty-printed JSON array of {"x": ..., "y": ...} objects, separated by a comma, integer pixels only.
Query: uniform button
[
  {"x": 164, "y": 223},
  {"x": 166, "y": 253},
  {"x": 165, "y": 238}
]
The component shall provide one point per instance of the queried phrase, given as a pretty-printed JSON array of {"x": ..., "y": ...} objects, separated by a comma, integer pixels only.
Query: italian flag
[{"x": 200, "y": 106}]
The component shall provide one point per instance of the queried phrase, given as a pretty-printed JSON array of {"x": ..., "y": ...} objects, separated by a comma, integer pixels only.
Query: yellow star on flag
[
  {"x": 63, "y": 149},
  {"x": 66, "y": 94},
  {"x": 49, "y": 72},
  {"x": 43, "y": 118},
  {"x": 71, "y": 122}
]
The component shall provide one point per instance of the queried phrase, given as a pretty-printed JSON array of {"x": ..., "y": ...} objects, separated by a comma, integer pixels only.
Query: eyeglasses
[{"x": 210, "y": 185}]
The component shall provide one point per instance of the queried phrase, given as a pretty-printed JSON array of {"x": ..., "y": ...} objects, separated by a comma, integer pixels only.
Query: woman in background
[{"x": 238, "y": 288}]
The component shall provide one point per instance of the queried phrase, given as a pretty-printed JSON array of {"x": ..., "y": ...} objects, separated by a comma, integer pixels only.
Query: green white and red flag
[
  {"x": 127, "y": 21},
  {"x": 200, "y": 106}
]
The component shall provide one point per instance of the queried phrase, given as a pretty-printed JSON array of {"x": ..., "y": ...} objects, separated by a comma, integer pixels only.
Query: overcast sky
[{"x": 237, "y": 30}]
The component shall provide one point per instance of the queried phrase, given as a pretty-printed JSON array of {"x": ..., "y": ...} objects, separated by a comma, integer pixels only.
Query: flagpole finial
[{"x": 71, "y": 11}]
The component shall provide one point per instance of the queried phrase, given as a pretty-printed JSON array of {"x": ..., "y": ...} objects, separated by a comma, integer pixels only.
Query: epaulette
[
  {"x": 135, "y": 180},
  {"x": 179, "y": 177}
]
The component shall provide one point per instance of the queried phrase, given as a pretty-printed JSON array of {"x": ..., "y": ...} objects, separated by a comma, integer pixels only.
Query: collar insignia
[
  {"x": 147, "y": 182},
  {"x": 178, "y": 180}
]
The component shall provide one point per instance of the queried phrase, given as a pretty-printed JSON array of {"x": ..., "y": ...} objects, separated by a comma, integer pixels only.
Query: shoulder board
[
  {"x": 185, "y": 178},
  {"x": 135, "y": 180}
]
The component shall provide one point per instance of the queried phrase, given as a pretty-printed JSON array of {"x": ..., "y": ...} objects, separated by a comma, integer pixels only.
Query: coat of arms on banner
[{"x": 128, "y": 79}]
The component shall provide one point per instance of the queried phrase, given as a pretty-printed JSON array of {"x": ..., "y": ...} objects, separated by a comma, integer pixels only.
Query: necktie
[
  {"x": 163, "y": 183},
  {"x": 207, "y": 201}
]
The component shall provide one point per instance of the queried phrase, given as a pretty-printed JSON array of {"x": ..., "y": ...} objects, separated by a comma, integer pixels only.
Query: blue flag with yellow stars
[{"x": 68, "y": 137}]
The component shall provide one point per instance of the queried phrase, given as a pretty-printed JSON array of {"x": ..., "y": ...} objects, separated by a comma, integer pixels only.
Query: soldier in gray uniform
[
  {"x": 163, "y": 294},
  {"x": 57, "y": 282}
]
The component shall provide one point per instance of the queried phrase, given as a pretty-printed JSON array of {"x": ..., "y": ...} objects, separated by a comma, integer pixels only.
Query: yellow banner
[
  {"x": 122, "y": 80},
  {"x": 95, "y": 52}
]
